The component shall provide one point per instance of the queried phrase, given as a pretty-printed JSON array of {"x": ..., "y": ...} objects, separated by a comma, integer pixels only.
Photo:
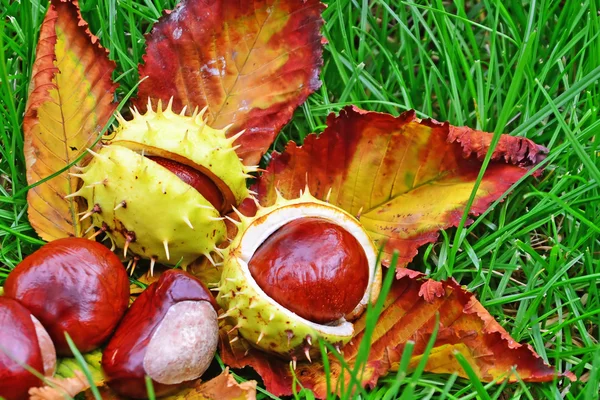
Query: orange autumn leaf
[
  {"x": 465, "y": 327},
  {"x": 225, "y": 387},
  {"x": 221, "y": 387},
  {"x": 404, "y": 178},
  {"x": 60, "y": 388},
  {"x": 70, "y": 101},
  {"x": 250, "y": 62}
]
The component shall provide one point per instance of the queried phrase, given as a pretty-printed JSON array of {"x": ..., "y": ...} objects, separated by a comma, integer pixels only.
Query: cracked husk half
[{"x": 261, "y": 320}]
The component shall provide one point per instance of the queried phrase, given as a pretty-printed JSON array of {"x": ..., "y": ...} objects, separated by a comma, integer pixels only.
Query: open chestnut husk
[
  {"x": 299, "y": 270},
  {"x": 72, "y": 285},
  {"x": 169, "y": 333},
  {"x": 23, "y": 341}
]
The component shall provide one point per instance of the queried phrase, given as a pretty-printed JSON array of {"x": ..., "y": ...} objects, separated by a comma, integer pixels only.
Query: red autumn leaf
[
  {"x": 465, "y": 327},
  {"x": 431, "y": 289},
  {"x": 251, "y": 62},
  {"x": 71, "y": 99},
  {"x": 406, "y": 179}
]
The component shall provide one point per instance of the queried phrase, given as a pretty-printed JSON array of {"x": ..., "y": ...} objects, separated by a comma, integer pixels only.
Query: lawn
[{"x": 528, "y": 68}]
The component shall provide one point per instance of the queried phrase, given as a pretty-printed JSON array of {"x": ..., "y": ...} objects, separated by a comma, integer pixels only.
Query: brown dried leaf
[
  {"x": 225, "y": 387},
  {"x": 60, "y": 388}
]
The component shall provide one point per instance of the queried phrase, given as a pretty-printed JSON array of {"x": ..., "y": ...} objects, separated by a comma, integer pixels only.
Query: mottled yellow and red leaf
[
  {"x": 70, "y": 100},
  {"x": 251, "y": 62},
  {"x": 465, "y": 327},
  {"x": 405, "y": 178}
]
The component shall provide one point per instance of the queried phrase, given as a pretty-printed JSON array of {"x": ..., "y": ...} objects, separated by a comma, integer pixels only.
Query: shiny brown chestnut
[
  {"x": 169, "y": 333},
  {"x": 196, "y": 179},
  {"x": 313, "y": 268},
  {"x": 72, "y": 285},
  {"x": 23, "y": 341}
]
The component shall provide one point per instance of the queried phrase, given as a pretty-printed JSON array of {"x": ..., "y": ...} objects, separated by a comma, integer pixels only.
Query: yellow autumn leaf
[{"x": 70, "y": 101}]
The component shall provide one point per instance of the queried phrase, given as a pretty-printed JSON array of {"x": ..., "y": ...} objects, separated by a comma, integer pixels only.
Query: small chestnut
[
  {"x": 72, "y": 285},
  {"x": 169, "y": 333},
  {"x": 23, "y": 341},
  {"x": 313, "y": 268},
  {"x": 194, "y": 178}
]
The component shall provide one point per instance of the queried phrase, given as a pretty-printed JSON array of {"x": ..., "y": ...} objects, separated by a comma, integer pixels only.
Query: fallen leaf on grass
[
  {"x": 409, "y": 314},
  {"x": 250, "y": 62},
  {"x": 70, "y": 101},
  {"x": 403, "y": 177},
  {"x": 60, "y": 388},
  {"x": 225, "y": 387},
  {"x": 222, "y": 387}
]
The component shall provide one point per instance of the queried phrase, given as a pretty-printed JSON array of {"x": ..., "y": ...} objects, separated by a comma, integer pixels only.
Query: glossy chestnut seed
[
  {"x": 195, "y": 179},
  {"x": 169, "y": 333},
  {"x": 313, "y": 268},
  {"x": 72, "y": 285},
  {"x": 23, "y": 340}
]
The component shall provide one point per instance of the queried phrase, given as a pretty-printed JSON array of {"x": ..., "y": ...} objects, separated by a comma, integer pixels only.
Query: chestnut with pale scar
[{"x": 170, "y": 334}]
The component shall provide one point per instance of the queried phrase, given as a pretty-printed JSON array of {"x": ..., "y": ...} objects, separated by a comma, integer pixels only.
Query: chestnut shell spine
[
  {"x": 170, "y": 333},
  {"x": 72, "y": 285},
  {"x": 22, "y": 341},
  {"x": 262, "y": 321},
  {"x": 143, "y": 206}
]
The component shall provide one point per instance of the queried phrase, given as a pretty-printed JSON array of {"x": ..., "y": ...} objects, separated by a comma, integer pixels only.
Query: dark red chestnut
[
  {"x": 23, "y": 340},
  {"x": 196, "y": 179},
  {"x": 169, "y": 333},
  {"x": 72, "y": 285},
  {"x": 313, "y": 268}
]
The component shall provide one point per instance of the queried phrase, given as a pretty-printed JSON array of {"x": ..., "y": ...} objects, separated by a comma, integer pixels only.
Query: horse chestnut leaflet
[
  {"x": 23, "y": 340},
  {"x": 72, "y": 285},
  {"x": 169, "y": 333}
]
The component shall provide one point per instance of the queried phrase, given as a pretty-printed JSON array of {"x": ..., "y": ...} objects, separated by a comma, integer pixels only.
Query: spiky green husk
[
  {"x": 146, "y": 208},
  {"x": 258, "y": 318},
  {"x": 188, "y": 140}
]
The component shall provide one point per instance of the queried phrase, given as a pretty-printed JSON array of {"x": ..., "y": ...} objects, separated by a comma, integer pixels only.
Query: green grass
[{"x": 530, "y": 68}]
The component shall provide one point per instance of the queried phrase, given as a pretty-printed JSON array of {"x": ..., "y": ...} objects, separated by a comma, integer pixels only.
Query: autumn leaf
[
  {"x": 404, "y": 178},
  {"x": 251, "y": 62},
  {"x": 225, "y": 387},
  {"x": 70, "y": 101},
  {"x": 222, "y": 387},
  {"x": 409, "y": 313},
  {"x": 60, "y": 388}
]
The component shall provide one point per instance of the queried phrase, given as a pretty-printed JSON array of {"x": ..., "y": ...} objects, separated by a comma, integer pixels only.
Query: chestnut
[
  {"x": 23, "y": 341},
  {"x": 72, "y": 285},
  {"x": 312, "y": 267},
  {"x": 196, "y": 179},
  {"x": 169, "y": 333}
]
